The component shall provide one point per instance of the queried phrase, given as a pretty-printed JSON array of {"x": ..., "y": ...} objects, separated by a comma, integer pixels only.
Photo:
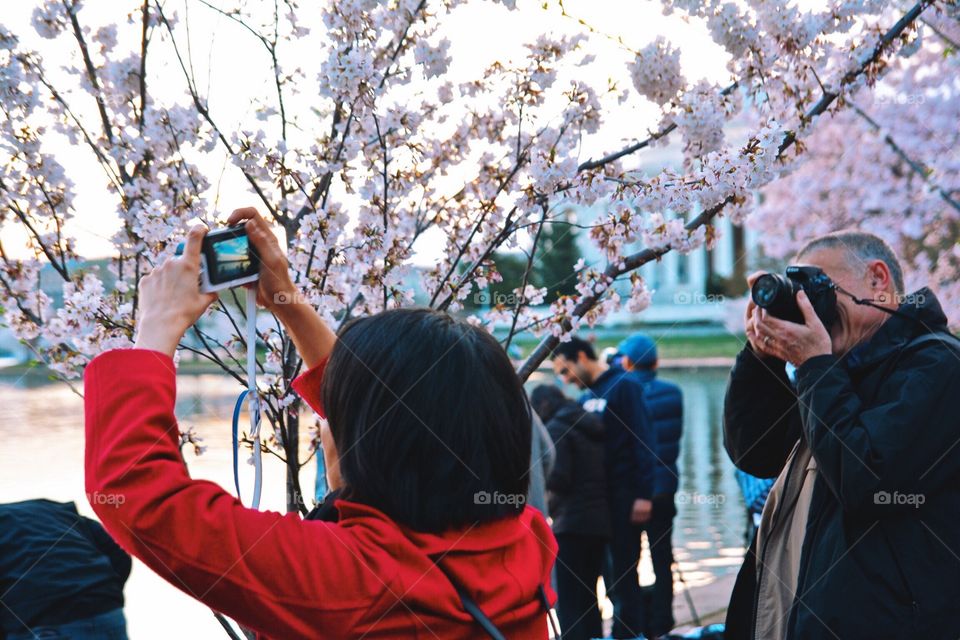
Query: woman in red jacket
[{"x": 431, "y": 437}]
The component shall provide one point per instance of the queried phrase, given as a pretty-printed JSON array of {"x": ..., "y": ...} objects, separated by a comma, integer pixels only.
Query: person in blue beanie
[{"x": 664, "y": 402}]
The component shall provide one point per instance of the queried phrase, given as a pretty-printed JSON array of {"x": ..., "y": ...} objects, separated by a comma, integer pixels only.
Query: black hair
[
  {"x": 427, "y": 414},
  {"x": 546, "y": 399},
  {"x": 572, "y": 347}
]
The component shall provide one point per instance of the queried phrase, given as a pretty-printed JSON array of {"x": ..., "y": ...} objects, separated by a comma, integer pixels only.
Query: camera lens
[
  {"x": 777, "y": 295},
  {"x": 765, "y": 290}
]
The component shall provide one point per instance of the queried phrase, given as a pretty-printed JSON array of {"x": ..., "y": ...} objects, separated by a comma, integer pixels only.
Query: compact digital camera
[
  {"x": 227, "y": 259},
  {"x": 778, "y": 294}
]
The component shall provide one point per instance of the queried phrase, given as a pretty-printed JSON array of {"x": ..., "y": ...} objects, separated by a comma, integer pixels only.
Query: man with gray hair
[{"x": 860, "y": 536}]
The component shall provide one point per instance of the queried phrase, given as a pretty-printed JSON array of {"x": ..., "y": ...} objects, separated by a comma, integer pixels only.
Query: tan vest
[{"x": 779, "y": 541}]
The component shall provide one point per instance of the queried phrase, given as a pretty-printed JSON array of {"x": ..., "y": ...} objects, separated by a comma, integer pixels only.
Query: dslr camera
[
  {"x": 227, "y": 259},
  {"x": 778, "y": 294}
]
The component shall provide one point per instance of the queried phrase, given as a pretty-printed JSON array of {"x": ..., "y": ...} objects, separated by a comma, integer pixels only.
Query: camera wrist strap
[{"x": 253, "y": 407}]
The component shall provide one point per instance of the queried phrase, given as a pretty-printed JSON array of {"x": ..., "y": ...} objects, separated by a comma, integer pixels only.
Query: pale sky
[{"x": 236, "y": 67}]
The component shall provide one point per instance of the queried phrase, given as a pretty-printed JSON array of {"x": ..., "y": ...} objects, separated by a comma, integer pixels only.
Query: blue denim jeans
[{"x": 106, "y": 626}]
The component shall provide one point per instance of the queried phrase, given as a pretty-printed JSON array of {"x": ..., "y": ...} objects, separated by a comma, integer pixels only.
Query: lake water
[{"x": 42, "y": 431}]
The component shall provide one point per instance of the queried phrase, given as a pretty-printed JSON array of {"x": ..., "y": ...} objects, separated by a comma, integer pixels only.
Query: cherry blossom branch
[
  {"x": 947, "y": 39},
  {"x": 71, "y": 7},
  {"x": 483, "y": 214},
  {"x": 526, "y": 277},
  {"x": 630, "y": 263},
  {"x": 586, "y": 25},
  {"x": 205, "y": 113},
  {"x": 637, "y": 146},
  {"x": 829, "y": 96},
  {"x": 105, "y": 163},
  {"x": 468, "y": 276},
  {"x": 25, "y": 219},
  {"x": 915, "y": 166},
  {"x": 636, "y": 260},
  {"x": 144, "y": 39}
]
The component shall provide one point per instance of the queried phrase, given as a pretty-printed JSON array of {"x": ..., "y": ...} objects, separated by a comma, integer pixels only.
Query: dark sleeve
[
  {"x": 629, "y": 409},
  {"x": 327, "y": 510},
  {"x": 560, "y": 479},
  {"x": 903, "y": 441},
  {"x": 119, "y": 559},
  {"x": 678, "y": 407},
  {"x": 761, "y": 423}
]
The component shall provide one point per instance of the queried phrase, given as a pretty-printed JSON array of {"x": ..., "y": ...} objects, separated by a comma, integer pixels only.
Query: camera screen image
[{"x": 231, "y": 259}]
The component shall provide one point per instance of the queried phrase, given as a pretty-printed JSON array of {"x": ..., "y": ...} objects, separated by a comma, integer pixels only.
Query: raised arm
[
  {"x": 276, "y": 292},
  {"x": 761, "y": 423},
  {"x": 273, "y": 573}
]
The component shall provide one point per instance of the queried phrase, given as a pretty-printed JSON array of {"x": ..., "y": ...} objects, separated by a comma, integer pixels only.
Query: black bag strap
[
  {"x": 471, "y": 607},
  {"x": 943, "y": 337}
]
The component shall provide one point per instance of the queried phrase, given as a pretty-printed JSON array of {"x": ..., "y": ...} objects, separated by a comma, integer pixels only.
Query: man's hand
[
  {"x": 642, "y": 511},
  {"x": 789, "y": 341},
  {"x": 170, "y": 300},
  {"x": 752, "y": 318}
]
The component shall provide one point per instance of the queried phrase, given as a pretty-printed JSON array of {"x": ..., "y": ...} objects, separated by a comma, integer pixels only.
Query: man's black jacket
[
  {"x": 882, "y": 425},
  {"x": 578, "y": 481},
  {"x": 631, "y": 442}
]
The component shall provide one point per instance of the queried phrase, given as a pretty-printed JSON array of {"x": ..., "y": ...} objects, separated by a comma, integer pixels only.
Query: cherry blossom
[{"x": 371, "y": 148}]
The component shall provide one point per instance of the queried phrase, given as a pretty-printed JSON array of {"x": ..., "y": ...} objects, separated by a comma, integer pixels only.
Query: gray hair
[{"x": 861, "y": 247}]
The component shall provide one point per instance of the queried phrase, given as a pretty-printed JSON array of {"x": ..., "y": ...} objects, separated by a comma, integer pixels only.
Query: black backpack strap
[
  {"x": 942, "y": 337},
  {"x": 545, "y": 601},
  {"x": 472, "y": 607}
]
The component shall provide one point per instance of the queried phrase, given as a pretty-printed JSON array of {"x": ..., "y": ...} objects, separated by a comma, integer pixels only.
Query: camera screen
[{"x": 231, "y": 259}]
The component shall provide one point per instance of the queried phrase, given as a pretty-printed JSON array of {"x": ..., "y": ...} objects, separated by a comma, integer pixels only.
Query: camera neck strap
[
  {"x": 870, "y": 303},
  {"x": 253, "y": 406}
]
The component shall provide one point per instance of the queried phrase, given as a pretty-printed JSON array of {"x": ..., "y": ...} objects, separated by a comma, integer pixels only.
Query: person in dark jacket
[
  {"x": 630, "y": 454},
  {"x": 577, "y": 490},
  {"x": 665, "y": 405},
  {"x": 859, "y": 537},
  {"x": 61, "y": 575}
]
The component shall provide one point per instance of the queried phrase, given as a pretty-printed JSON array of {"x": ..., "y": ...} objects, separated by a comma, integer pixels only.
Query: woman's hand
[
  {"x": 170, "y": 300},
  {"x": 276, "y": 291},
  {"x": 274, "y": 288}
]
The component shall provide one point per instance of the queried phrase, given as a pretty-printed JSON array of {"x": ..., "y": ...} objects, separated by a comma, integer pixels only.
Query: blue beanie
[{"x": 641, "y": 350}]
